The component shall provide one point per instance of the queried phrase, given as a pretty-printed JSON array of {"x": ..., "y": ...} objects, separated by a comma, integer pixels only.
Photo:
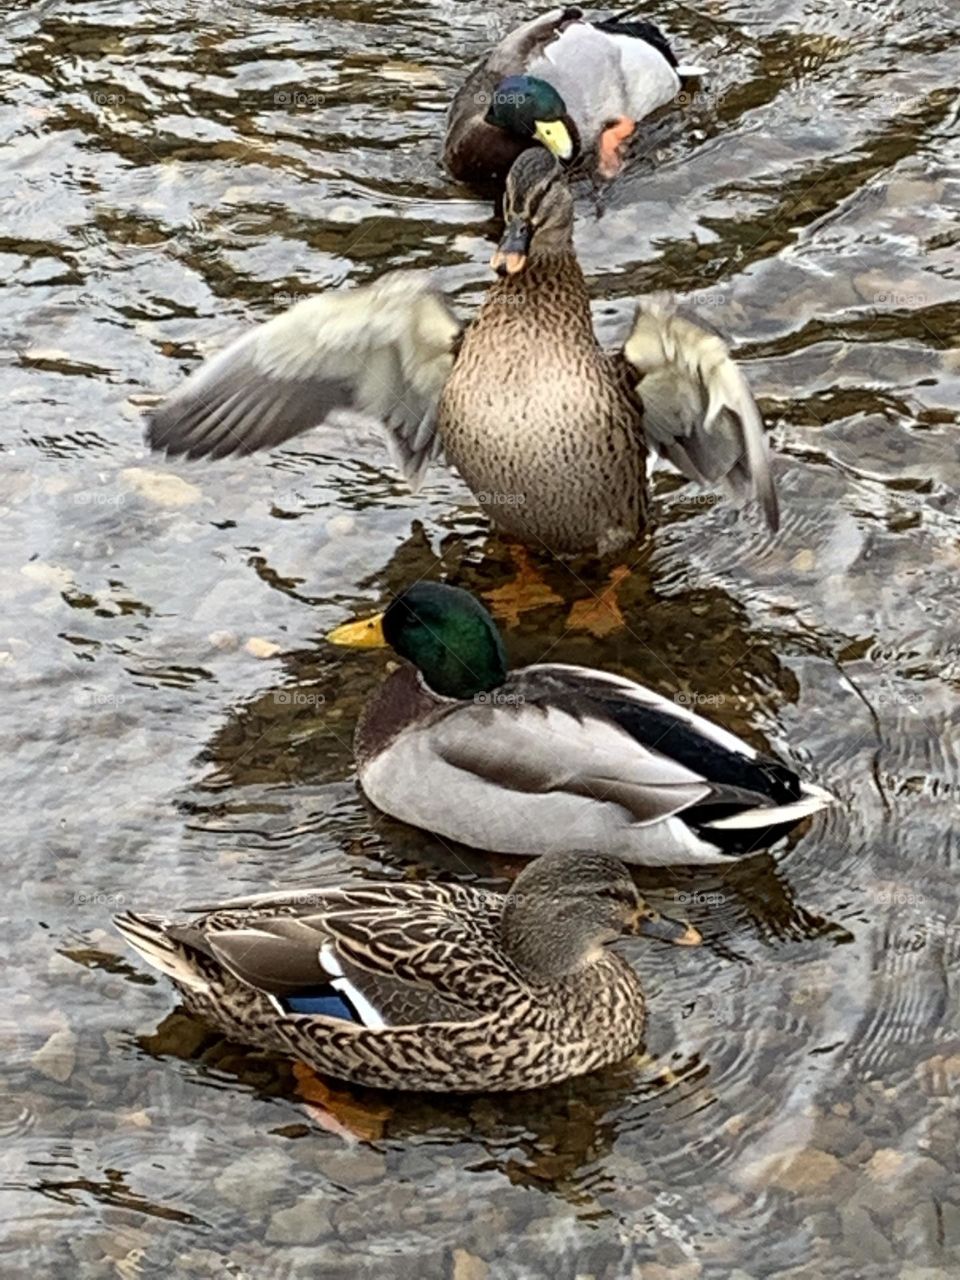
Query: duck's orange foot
[
  {"x": 601, "y": 615},
  {"x": 523, "y": 593},
  {"x": 338, "y": 1111},
  {"x": 611, "y": 146}
]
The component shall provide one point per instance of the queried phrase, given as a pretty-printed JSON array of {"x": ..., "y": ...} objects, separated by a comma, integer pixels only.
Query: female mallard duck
[
  {"x": 549, "y": 430},
  {"x": 553, "y": 757},
  {"x": 576, "y": 84},
  {"x": 423, "y": 986}
]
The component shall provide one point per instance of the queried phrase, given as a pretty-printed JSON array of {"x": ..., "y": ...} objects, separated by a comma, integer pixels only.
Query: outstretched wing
[
  {"x": 698, "y": 409},
  {"x": 383, "y": 350}
]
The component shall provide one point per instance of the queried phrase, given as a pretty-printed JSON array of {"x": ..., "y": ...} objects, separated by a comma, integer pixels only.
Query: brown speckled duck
[
  {"x": 549, "y": 430},
  {"x": 423, "y": 986}
]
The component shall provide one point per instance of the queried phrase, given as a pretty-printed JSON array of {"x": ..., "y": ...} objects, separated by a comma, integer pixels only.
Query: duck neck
[
  {"x": 400, "y": 700},
  {"x": 548, "y": 274},
  {"x": 544, "y": 950}
]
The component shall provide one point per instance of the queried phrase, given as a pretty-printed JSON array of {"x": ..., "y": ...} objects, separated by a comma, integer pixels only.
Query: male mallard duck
[
  {"x": 549, "y": 430},
  {"x": 423, "y": 986},
  {"x": 577, "y": 84},
  {"x": 553, "y": 757}
]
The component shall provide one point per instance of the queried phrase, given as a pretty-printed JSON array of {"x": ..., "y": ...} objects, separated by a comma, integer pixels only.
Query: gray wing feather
[
  {"x": 397, "y": 955},
  {"x": 383, "y": 351},
  {"x": 270, "y": 958},
  {"x": 512, "y": 55},
  {"x": 541, "y": 749},
  {"x": 698, "y": 409}
]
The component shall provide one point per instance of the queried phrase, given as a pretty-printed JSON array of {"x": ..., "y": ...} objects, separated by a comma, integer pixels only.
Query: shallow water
[{"x": 175, "y": 171}]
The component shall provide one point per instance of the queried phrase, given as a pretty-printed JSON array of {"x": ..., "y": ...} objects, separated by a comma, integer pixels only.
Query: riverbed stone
[
  {"x": 355, "y": 1166},
  {"x": 862, "y": 1237},
  {"x": 302, "y": 1223},
  {"x": 57, "y": 1056},
  {"x": 918, "y": 1233},
  {"x": 467, "y": 1266},
  {"x": 253, "y": 1179},
  {"x": 800, "y": 1170}
]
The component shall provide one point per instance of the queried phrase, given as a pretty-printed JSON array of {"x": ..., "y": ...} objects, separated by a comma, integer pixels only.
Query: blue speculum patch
[{"x": 328, "y": 1004}]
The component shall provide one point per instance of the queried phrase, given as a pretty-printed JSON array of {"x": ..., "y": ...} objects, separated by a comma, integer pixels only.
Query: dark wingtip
[
  {"x": 771, "y": 507},
  {"x": 160, "y": 437}
]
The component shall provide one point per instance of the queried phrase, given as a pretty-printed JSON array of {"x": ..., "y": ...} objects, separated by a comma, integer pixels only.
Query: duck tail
[
  {"x": 148, "y": 935},
  {"x": 812, "y": 799},
  {"x": 626, "y": 24}
]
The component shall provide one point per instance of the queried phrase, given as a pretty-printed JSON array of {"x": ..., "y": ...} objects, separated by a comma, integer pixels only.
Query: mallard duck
[
  {"x": 423, "y": 986},
  {"x": 549, "y": 430},
  {"x": 577, "y": 84},
  {"x": 553, "y": 757}
]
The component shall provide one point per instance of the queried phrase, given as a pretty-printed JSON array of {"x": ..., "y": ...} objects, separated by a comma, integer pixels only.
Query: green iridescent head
[{"x": 532, "y": 109}]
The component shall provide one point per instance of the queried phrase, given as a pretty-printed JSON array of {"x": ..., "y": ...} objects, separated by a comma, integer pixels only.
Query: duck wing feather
[
  {"x": 698, "y": 410},
  {"x": 382, "y": 351}
]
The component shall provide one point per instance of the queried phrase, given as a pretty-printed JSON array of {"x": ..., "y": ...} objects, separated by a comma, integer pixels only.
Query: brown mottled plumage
[
  {"x": 423, "y": 986},
  {"x": 557, "y": 457},
  {"x": 548, "y": 430}
]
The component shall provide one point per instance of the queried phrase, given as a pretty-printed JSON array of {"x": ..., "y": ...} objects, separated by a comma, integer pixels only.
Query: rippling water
[{"x": 175, "y": 171}]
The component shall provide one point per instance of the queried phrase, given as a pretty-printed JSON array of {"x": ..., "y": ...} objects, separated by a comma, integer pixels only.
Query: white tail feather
[{"x": 811, "y": 801}]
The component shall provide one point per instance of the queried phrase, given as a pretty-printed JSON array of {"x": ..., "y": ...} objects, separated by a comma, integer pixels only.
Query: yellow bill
[
  {"x": 555, "y": 136},
  {"x": 365, "y": 634}
]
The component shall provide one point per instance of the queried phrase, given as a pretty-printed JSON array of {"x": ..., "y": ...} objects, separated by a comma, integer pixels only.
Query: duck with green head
[
  {"x": 576, "y": 84},
  {"x": 423, "y": 986},
  {"x": 553, "y": 757}
]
